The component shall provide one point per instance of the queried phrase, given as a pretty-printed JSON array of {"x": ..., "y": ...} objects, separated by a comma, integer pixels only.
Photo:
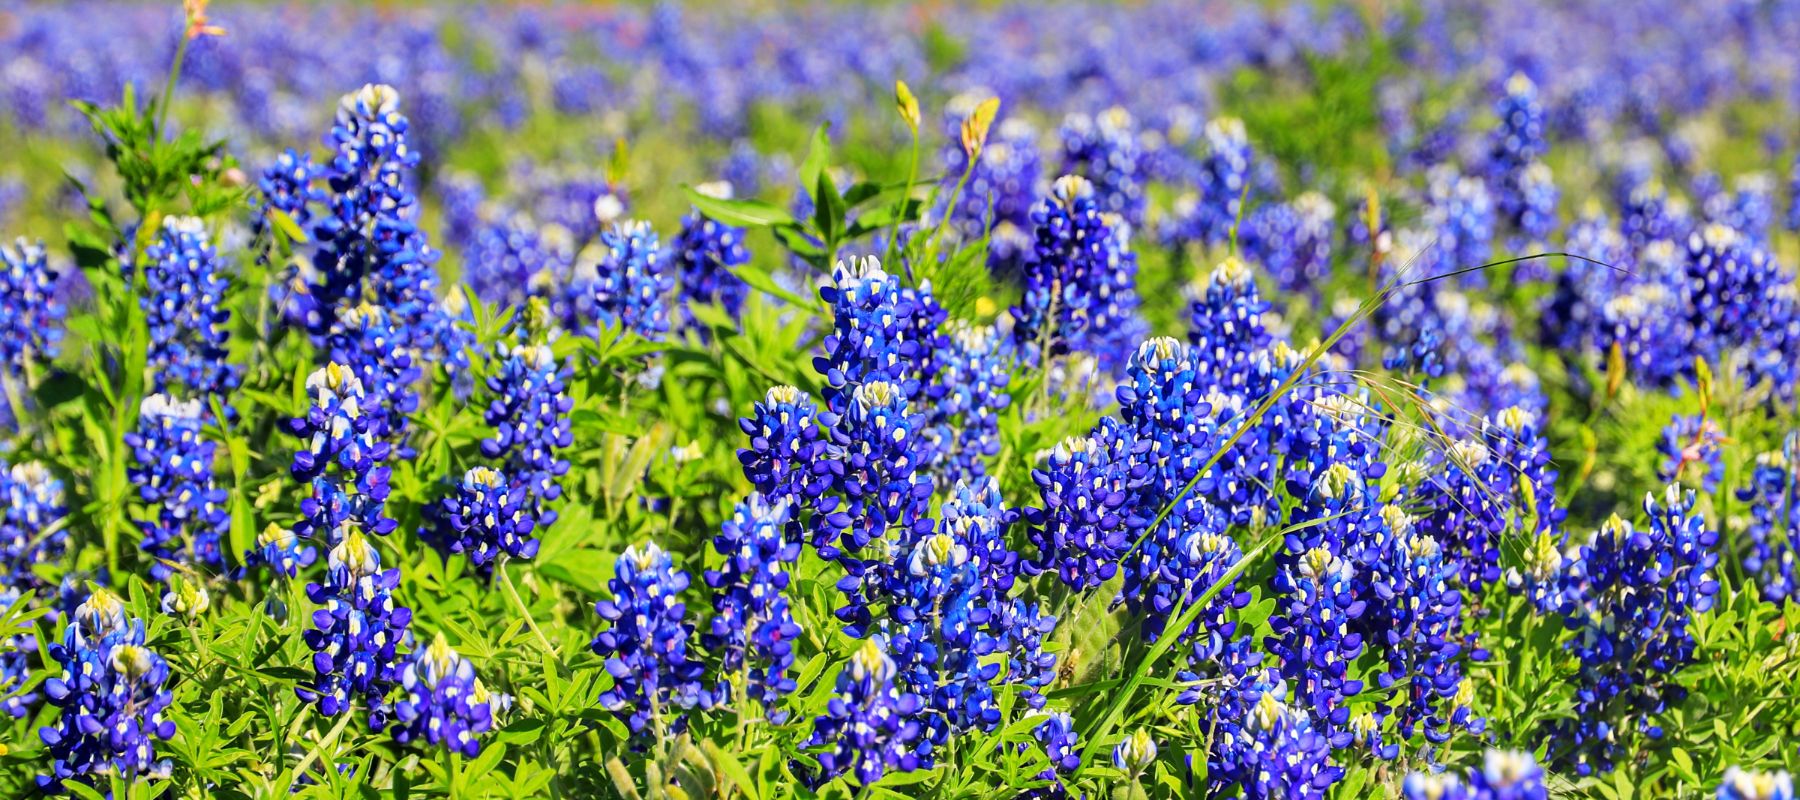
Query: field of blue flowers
[{"x": 1170, "y": 400}]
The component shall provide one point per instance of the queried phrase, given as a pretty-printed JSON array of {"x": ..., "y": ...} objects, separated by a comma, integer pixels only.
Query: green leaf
[
  {"x": 733, "y": 769},
  {"x": 741, "y": 213},
  {"x": 818, "y": 157},
  {"x": 287, "y": 226}
]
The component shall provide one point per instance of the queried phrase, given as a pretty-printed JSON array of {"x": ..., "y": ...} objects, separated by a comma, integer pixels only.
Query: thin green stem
[
  {"x": 330, "y": 737},
  {"x": 168, "y": 94},
  {"x": 929, "y": 251},
  {"x": 519, "y": 603},
  {"x": 912, "y": 175}
]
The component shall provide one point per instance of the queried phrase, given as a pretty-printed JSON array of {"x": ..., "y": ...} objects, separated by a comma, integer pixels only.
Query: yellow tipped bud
[
  {"x": 908, "y": 105},
  {"x": 975, "y": 128}
]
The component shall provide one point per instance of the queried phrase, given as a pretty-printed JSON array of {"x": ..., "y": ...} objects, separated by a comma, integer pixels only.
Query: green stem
[
  {"x": 330, "y": 737},
  {"x": 519, "y": 603},
  {"x": 930, "y": 249},
  {"x": 912, "y": 175},
  {"x": 168, "y": 94}
]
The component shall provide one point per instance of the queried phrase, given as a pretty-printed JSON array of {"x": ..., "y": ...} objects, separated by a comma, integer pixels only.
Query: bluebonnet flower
[
  {"x": 753, "y": 627},
  {"x": 281, "y": 550},
  {"x": 1224, "y": 176},
  {"x": 368, "y": 175},
  {"x": 173, "y": 470},
  {"x": 1504, "y": 775},
  {"x": 1268, "y": 748},
  {"x": 1462, "y": 213},
  {"x": 1690, "y": 449},
  {"x": 1135, "y": 753},
  {"x": 184, "y": 304},
  {"x": 633, "y": 284},
  {"x": 513, "y": 259},
  {"x": 1647, "y": 213},
  {"x": 368, "y": 340},
  {"x": 881, "y": 331},
  {"x": 974, "y": 374},
  {"x": 462, "y": 199},
  {"x": 1534, "y": 215},
  {"x": 706, "y": 252},
  {"x": 1293, "y": 240},
  {"x": 484, "y": 517},
  {"x": 1081, "y": 282},
  {"x": 530, "y": 415},
  {"x": 1419, "y": 615},
  {"x": 186, "y": 597},
  {"x": 1225, "y": 323},
  {"x": 336, "y": 431},
  {"x": 31, "y": 527},
  {"x": 1218, "y": 651},
  {"x": 743, "y": 167},
  {"x": 1750, "y": 209},
  {"x": 1740, "y": 784},
  {"x": 1540, "y": 581},
  {"x": 645, "y": 645},
  {"x": 1639, "y": 323},
  {"x": 1105, "y": 150},
  {"x": 876, "y": 482},
  {"x": 1003, "y": 185},
  {"x": 1502, "y": 477},
  {"x": 1793, "y": 214},
  {"x": 31, "y": 315},
  {"x": 1773, "y": 492},
  {"x": 356, "y": 630},
  {"x": 1161, "y": 401},
  {"x": 1630, "y": 597},
  {"x": 1312, "y": 639},
  {"x": 370, "y": 247},
  {"x": 290, "y": 186},
  {"x": 871, "y": 724},
  {"x": 1062, "y": 746},
  {"x": 444, "y": 703},
  {"x": 110, "y": 698},
  {"x": 1728, "y": 277},
  {"x": 1085, "y": 484},
  {"x": 787, "y": 444},
  {"x": 1515, "y": 146}
]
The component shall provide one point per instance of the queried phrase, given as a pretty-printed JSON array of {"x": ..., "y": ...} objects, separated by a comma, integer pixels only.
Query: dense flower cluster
[
  {"x": 1268, "y": 747},
  {"x": 340, "y": 458},
  {"x": 1630, "y": 596},
  {"x": 32, "y": 528},
  {"x": 530, "y": 415},
  {"x": 753, "y": 628},
  {"x": 183, "y": 301},
  {"x": 110, "y": 698},
  {"x": 869, "y": 722},
  {"x": 706, "y": 252},
  {"x": 633, "y": 283},
  {"x": 173, "y": 470},
  {"x": 356, "y": 632},
  {"x": 1773, "y": 493},
  {"x": 31, "y": 314},
  {"x": 1080, "y": 281},
  {"x": 645, "y": 644},
  {"x": 1211, "y": 215},
  {"x": 1104, "y": 149},
  {"x": 1504, "y": 775},
  {"x": 484, "y": 517},
  {"x": 369, "y": 249},
  {"x": 444, "y": 703}
]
